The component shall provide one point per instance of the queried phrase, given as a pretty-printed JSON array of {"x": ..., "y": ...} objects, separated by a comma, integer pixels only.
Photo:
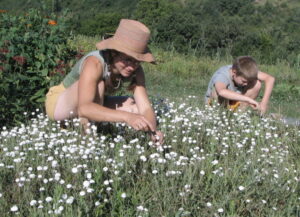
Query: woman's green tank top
[{"x": 73, "y": 76}]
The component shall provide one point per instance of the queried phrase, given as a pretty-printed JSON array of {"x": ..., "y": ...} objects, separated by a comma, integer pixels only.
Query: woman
[{"x": 82, "y": 92}]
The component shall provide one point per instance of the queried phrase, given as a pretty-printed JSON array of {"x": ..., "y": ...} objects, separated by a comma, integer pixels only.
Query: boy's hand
[
  {"x": 254, "y": 104},
  {"x": 263, "y": 107}
]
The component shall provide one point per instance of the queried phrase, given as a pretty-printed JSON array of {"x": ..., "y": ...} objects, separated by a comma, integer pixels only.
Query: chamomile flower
[{"x": 14, "y": 208}]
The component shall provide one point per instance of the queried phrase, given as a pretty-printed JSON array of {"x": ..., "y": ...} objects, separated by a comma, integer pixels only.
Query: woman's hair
[
  {"x": 113, "y": 83},
  {"x": 246, "y": 67}
]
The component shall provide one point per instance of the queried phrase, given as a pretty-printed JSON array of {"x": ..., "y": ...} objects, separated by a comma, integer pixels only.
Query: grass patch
[{"x": 177, "y": 75}]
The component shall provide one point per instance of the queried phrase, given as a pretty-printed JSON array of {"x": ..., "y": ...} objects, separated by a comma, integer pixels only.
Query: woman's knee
[
  {"x": 134, "y": 109},
  {"x": 128, "y": 105},
  {"x": 129, "y": 101},
  {"x": 62, "y": 114},
  {"x": 67, "y": 103},
  {"x": 100, "y": 93}
]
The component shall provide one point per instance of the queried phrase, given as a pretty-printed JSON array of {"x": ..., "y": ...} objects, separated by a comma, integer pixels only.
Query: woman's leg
[
  {"x": 67, "y": 103},
  {"x": 123, "y": 103}
]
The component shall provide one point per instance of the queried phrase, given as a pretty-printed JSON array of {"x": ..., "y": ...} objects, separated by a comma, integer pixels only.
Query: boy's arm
[
  {"x": 269, "y": 83},
  {"x": 231, "y": 95}
]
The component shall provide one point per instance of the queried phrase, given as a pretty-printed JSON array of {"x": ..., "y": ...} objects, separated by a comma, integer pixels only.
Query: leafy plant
[{"x": 33, "y": 49}]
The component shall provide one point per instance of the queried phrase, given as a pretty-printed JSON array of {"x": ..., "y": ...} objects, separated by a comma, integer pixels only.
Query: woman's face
[{"x": 125, "y": 65}]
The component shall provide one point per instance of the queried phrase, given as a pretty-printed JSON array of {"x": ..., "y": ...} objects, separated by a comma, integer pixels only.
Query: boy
[{"x": 239, "y": 84}]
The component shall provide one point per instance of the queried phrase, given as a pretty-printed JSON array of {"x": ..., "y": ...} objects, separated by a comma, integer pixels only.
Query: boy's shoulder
[
  {"x": 223, "y": 71},
  {"x": 222, "y": 75}
]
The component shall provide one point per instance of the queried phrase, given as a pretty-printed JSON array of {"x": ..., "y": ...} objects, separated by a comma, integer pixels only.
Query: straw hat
[{"x": 131, "y": 38}]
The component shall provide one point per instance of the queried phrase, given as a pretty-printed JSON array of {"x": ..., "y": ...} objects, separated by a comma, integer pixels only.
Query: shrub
[
  {"x": 33, "y": 51},
  {"x": 101, "y": 24},
  {"x": 169, "y": 23}
]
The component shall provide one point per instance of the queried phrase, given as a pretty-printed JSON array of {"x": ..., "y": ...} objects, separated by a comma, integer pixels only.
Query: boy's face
[{"x": 240, "y": 81}]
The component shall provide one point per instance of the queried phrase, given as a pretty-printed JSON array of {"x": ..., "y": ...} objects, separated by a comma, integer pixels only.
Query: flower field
[{"x": 213, "y": 162}]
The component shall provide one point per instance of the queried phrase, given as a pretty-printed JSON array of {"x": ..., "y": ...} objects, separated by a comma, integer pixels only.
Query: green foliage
[
  {"x": 101, "y": 24},
  {"x": 152, "y": 12},
  {"x": 169, "y": 23},
  {"x": 103, "y": 17},
  {"x": 179, "y": 29},
  {"x": 268, "y": 30},
  {"x": 228, "y": 7},
  {"x": 33, "y": 49},
  {"x": 287, "y": 93}
]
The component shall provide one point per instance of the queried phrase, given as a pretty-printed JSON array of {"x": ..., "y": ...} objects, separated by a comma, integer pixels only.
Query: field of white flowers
[{"x": 213, "y": 163}]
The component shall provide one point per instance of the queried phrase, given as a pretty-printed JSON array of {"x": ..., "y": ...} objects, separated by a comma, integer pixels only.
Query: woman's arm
[
  {"x": 90, "y": 77},
  {"x": 89, "y": 84},
  {"x": 144, "y": 105},
  {"x": 141, "y": 98}
]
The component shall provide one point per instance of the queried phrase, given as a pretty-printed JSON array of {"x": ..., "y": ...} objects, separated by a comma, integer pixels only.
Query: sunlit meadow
[{"x": 213, "y": 162}]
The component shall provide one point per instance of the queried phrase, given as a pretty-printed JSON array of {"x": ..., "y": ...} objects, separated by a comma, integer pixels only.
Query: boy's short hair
[{"x": 246, "y": 67}]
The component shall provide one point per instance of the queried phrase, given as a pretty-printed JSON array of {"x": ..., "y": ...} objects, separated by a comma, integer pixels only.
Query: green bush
[
  {"x": 101, "y": 24},
  {"x": 33, "y": 51},
  {"x": 169, "y": 23}
]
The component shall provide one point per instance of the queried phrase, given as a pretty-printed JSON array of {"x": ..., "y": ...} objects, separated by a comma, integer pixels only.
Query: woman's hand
[
  {"x": 157, "y": 136},
  {"x": 139, "y": 122}
]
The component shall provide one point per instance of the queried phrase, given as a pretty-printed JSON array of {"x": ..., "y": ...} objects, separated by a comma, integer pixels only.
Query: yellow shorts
[
  {"x": 51, "y": 99},
  {"x": 231, "y": 104}
]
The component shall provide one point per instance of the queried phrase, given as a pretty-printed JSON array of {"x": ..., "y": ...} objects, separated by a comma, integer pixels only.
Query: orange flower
[
  {"x": 52, "y": 22},
  {"x": 3, "y": 11}
]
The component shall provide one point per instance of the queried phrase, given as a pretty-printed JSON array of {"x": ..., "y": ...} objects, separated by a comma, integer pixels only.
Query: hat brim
[{"x": 110, "y": 43}]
